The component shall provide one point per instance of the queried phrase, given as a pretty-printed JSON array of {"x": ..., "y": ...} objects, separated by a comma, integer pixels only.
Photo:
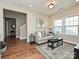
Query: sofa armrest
[
  {"x": 3, "y": 47},
  {"x": 2, "y": 44}
]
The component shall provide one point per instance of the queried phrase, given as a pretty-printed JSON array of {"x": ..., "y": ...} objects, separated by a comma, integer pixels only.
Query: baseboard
[
  {"x": 21, "y": 38},
  {"x": 17, "y": 36},
  {"x": 70, "y": 42}
]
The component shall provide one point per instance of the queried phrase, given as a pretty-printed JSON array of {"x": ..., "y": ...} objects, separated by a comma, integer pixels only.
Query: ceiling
[{"x": 40, "y": 6}]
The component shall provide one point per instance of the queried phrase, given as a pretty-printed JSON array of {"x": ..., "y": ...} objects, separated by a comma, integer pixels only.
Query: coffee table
[{"x": 55, "y": 42}]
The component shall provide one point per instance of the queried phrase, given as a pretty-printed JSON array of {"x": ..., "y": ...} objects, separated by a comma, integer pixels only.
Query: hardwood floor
[{"x": 21, "y": 50}]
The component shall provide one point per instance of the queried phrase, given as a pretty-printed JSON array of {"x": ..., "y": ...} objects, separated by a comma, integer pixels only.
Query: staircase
[{"x": 23, "y": 32}]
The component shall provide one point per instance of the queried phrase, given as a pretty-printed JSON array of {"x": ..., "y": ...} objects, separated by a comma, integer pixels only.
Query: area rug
[{"x": 66, "y": 51}]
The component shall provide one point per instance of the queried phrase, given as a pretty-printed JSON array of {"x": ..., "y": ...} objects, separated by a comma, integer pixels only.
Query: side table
[{"x": 32, "y": 38}]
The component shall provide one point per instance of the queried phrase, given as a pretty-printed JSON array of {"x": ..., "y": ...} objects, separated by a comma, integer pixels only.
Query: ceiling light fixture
[{"x": 50, "y": 5}]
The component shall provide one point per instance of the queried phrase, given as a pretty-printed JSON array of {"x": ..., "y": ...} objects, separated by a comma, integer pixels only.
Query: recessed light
[
  {"x": 31, "y": 6},
  {"x": 76, "y": 0}
]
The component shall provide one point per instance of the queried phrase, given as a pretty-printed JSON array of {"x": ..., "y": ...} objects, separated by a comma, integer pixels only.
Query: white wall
[
  {"x": 9, "y": 7},
  {"x": 31, "y": 23},
  {"x": 13, "y": 7},
  {"x": 20, "y": 20},
  {"x": 1, "y": 25},
  {"x": 66, "y": 13},
  {"x": 31, "y": 18}
]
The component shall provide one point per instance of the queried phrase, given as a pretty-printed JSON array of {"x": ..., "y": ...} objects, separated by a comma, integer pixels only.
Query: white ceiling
[{"x": 40, "y": 6}]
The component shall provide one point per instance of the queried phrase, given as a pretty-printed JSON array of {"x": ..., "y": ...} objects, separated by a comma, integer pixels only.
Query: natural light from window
[
  {"x": 72, "y": 25},
  {"x": 58, "y": 26},
  {"x": 68, "y": 26}
]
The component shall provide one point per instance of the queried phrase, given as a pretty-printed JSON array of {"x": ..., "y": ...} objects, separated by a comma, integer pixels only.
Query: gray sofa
[{"x": 42, "y": 37}]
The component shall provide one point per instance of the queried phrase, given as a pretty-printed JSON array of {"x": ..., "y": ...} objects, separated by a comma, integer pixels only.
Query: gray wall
[
  {"x": 20, "y": 19},
  {"x": 8, "y": 23}
]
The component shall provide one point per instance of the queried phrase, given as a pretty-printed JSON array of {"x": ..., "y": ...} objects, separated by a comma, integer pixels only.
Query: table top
[
  {"x": 77, "y": 46},
  {"x": 55, "y": 39}
]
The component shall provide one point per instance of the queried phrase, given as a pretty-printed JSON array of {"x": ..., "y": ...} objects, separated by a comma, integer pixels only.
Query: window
[
  {"x": 71, "y": 25},
  {"x": 58, "y": 26}
]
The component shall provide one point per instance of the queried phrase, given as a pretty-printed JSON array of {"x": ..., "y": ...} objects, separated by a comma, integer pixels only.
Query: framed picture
[{"x": 39, "y": 23}]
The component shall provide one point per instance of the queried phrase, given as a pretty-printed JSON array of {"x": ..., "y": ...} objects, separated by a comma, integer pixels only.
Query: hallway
[{"x": 21, "y": 50}]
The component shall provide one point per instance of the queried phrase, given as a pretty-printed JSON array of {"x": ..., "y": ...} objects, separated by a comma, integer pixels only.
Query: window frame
[
  {"x": 71, "y": 25},
  {"x": 63, "y": 29},
  {"x": 58, "y": 26}
]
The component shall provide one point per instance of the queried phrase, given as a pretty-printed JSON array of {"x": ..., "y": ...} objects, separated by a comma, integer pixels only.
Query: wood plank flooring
[{"x": 21, "y": 50}]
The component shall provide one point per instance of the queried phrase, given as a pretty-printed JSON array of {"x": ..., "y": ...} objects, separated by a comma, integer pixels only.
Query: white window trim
[
  {"x": 71, "y": 26},
  {"x": 64, "y": 26},
  {"x": 57, "y": 26}
]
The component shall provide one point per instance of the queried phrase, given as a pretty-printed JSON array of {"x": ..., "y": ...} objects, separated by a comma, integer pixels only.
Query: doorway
[
  {"x": 15, "y": 25},
  {"x": 10, "y": 27}
]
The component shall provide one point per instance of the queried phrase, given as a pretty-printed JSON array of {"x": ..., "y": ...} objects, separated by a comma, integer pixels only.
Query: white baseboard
[
  {"x": 21, "y": 38},
  {"x": 70, "y": 42},
  {"x": 17, "y": 36}
]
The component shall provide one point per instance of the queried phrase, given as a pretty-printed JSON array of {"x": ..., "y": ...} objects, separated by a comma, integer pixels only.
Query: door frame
[{"x": 7, "y": 18}]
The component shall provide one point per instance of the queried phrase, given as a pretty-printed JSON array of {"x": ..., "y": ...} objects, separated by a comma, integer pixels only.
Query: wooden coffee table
[{"x": 55, "y": 42}]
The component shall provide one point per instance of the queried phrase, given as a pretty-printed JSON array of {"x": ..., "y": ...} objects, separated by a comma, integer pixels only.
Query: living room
[{"x": 44, "y": 21}]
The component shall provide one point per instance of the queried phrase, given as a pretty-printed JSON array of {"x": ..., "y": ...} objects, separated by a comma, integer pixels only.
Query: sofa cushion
[{"x": 45, "y": 38}]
